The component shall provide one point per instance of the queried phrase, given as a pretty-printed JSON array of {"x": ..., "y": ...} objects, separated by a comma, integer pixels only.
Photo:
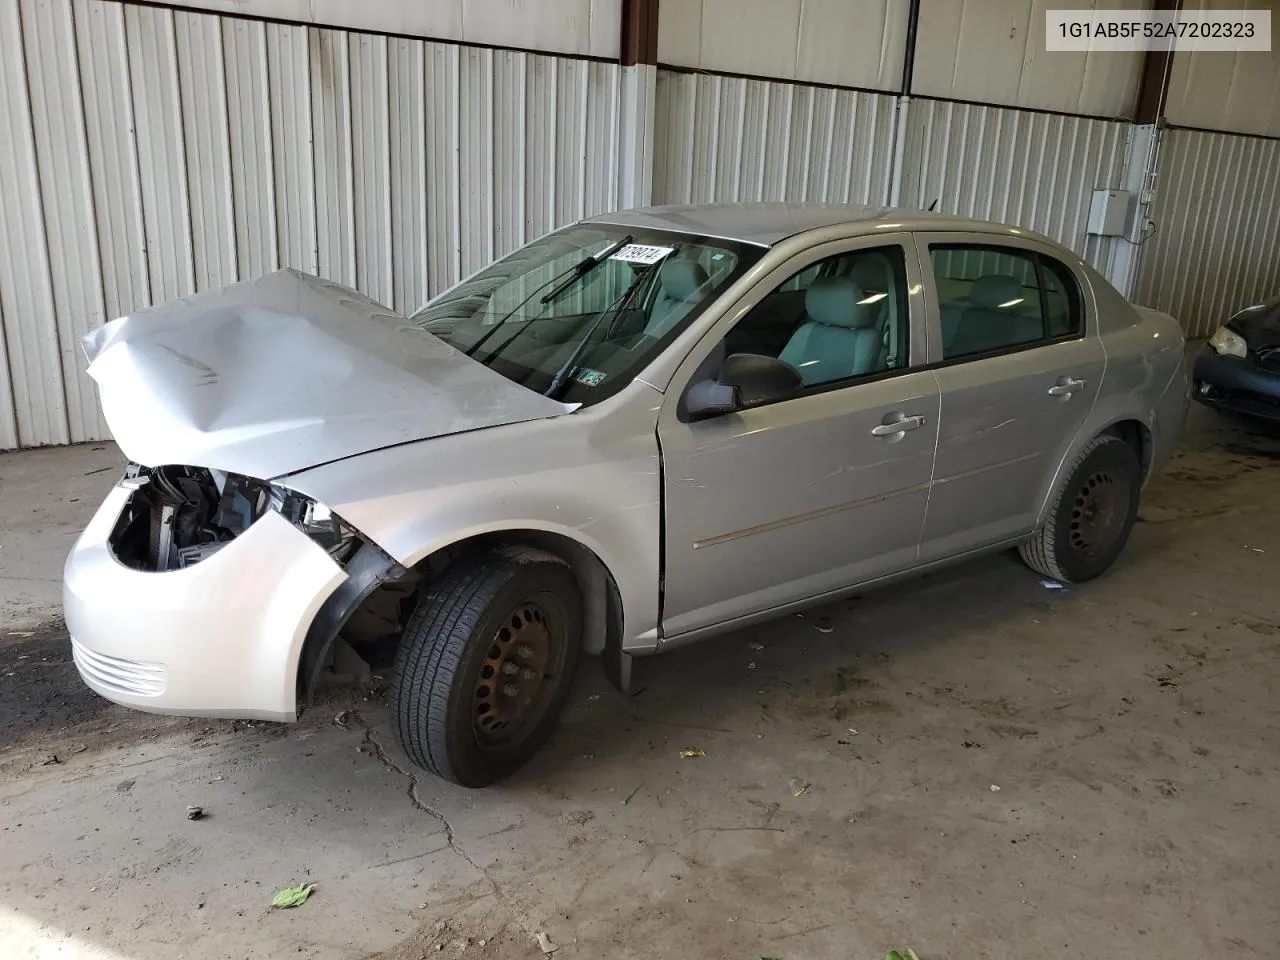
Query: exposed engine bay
[{"x": 180, "y": 515}]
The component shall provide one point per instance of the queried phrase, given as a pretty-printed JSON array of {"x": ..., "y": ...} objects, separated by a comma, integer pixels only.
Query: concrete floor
[{"x": 1131, "y": 728}]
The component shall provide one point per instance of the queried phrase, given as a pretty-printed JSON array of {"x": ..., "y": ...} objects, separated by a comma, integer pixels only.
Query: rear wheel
[
  {"x": 1091, "y": 516},
  {"x": 485, "y": 664}
]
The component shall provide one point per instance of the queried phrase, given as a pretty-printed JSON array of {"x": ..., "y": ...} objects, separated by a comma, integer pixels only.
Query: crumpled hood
[{"x": 289, "y": 371}]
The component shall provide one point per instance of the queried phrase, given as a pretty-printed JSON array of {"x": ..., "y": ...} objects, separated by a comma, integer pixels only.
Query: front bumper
[
  {"x": 1236, "y": 384},
  {"x": 221, "y": 638}
]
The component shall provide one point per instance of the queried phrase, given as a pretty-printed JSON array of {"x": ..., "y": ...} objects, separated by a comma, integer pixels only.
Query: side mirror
[{"x": 746, "y": 380}]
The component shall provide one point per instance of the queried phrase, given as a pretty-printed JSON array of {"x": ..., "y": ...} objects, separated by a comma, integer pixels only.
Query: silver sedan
[{"x": 638, "y": 431}]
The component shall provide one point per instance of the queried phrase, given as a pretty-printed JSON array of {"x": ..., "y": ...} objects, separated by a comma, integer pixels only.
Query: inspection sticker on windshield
[
  {"x": 589, "y": 378},
  {"x": 639, "y": 253}
]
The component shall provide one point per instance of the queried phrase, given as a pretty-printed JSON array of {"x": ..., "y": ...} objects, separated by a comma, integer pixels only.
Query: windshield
[{"x": 553, "y": 319}]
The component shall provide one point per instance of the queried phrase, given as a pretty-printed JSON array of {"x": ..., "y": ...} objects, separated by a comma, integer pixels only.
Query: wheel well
[
  {"x": 602, "y": 613},
  {"x": 1139, "y": 439}
]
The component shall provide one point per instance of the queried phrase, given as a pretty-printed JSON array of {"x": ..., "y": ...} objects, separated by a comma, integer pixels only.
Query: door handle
[
  {"x": 1065, "y": 387},
  {"x": 896, "y": 427}
]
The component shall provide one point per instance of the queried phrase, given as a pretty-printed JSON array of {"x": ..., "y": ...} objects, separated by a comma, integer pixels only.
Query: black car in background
[{"x": 1239, "y": 368}]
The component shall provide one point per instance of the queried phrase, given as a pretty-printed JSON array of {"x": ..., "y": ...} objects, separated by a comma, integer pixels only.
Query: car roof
[{"x": 765, "y": 224}]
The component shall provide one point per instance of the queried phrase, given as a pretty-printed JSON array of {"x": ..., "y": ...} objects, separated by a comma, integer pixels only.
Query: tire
[
  {"x": 1091, "y": 514},
  {"x": 453, "y": 714}
]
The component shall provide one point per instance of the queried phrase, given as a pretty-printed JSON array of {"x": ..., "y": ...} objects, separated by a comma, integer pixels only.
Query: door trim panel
[{"x": 811, "y": 515}]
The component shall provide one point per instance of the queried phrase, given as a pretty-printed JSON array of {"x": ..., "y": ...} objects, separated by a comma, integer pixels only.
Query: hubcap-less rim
[
  {"x": 1098, "y": 513},
  {"x": 517, "y": 677}
]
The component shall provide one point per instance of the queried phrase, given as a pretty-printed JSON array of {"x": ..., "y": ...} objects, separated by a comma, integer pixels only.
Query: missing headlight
[
  {"x": 178, "y": 516},
  {"x": 315, "y": 520}
]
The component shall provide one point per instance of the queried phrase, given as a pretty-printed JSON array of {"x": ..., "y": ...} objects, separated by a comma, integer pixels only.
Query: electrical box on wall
[{"x": 1109, "y": 212}]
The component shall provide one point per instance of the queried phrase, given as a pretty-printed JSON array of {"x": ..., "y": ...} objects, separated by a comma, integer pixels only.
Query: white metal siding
[
  {"x": 853, "y": 44},
  {"x": 147, "y": 153},
  {"x": 725, "y": 138},
  {"x": 37, "y": 412},
  {"x": 1216, "y": 247},
  {"x": 1236, "y": 92},
  {"x": 1033, "y": 170},
  {"x": 993, "y": 51},
  {"x": 1222, "y": 90},
  {"x": 580, "y": 27}
]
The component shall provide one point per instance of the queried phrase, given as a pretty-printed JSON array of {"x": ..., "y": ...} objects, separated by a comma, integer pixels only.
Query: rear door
[{"x": 1019, "y": 365}]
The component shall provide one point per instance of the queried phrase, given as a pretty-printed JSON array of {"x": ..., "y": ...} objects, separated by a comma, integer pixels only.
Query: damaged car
[
  {"x": 1238, "y": 370},
  {"x": 641, "y": 430}
]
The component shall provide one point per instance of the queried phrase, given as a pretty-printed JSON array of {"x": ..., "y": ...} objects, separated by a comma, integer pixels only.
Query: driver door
[{"x": 802, "y": 497}]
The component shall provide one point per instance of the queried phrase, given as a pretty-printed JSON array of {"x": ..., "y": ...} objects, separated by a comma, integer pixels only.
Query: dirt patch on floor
[
  {"x": 989, "y": 768},
  {"x": 46, "y": 712}
]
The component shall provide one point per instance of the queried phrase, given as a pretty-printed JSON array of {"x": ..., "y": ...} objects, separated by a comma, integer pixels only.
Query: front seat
[
  {"x": 871, "y": 272},
  {"x": 839, "y": 339},
  {"x": 679, "y": 282}
]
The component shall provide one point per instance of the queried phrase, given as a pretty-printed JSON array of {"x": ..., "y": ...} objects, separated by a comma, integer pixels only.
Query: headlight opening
[
  {"x": 177, "y": 516},
  {"x": 316, "y": 520}
]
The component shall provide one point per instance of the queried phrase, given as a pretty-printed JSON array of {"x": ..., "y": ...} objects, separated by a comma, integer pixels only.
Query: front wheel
[
  {"x": 1091, "y": 516},
  {"x": 485, "y": 664}
]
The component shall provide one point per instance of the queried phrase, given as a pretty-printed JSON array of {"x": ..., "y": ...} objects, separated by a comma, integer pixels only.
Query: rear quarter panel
[{"x": 1145, "y": 378}]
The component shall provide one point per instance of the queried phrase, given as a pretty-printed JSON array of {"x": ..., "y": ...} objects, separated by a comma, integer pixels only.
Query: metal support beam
[
  {"x": 1153, "y": 84},
  {"x": 909, "y": 54},
  {"x": 1141, "y": 155},
  {"x": 639, "y": 32},
  {"x": 637, "y": 96}
]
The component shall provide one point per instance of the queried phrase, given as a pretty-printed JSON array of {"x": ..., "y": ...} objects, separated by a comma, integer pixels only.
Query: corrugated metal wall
[
  {"x": 989, "y": 51},
  {"x": 851, "y": 43},
  {"x": 724, "y": 138},
  {"x": 147, "y": 153},
  {"x": 727, "y": 138},
  {"x": 572, "y": 27},
  {"x": 993, "y": 51},
  {"x": 1036, "y": 170},
  {"x": 1216, "y": 247}
]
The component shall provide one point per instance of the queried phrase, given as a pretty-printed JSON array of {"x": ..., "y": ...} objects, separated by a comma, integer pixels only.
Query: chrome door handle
[
  {"x": 893, "y": 428},
  {"x": 1065, "y": 387}
]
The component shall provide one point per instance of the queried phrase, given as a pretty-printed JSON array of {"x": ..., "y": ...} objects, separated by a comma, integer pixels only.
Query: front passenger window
[{"x": 841, "y": 318}]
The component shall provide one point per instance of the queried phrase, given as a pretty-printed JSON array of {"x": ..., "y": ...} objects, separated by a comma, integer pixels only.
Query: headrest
[
  {"x": 871, "y": 272},
  {"x": 995, "y": 290},
  {"x": 680, "y": 279},
  {"x": 833, "y": 302}
]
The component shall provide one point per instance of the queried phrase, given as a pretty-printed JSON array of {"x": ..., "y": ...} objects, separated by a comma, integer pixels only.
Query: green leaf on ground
[
  {"x": 895, "y": 955},
  {"x": 292, "y": 896}
]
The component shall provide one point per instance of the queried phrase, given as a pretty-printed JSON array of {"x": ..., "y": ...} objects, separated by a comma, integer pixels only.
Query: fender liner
[
  {"x": 367, "y": 570},
  {"x": 615, "y": 660}
]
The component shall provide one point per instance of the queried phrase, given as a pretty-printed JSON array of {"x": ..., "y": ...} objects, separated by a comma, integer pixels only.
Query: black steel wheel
[
  {"x": 1091, "y": 515},
  {"x": 485, "y": 664}
]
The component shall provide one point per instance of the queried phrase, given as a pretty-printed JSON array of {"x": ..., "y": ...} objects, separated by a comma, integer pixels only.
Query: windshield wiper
[
  {"x": 570, "y": 363},
  {"x": 574, "y": 274},
  {"x": 471, "y": 350},
  {"x": 584, "y": 267}
]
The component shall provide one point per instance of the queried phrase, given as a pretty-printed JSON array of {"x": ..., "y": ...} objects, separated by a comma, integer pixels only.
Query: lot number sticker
[{"x": 639, "y": 253}]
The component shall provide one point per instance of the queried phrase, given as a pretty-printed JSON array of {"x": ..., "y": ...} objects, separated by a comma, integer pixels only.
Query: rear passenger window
[{"x": 994, "y": 299}]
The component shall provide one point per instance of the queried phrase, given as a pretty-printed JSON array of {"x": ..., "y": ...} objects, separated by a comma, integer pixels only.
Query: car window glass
[
  {"x": 1062, "y": 314},
  {"x": 998, "y": 298},
  {"x": 605, "y": 326},
  {"x": 841, "y": 318}
]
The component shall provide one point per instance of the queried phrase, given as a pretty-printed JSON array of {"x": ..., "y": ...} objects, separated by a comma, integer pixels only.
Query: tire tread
[
  {"x": 1040, "y": 552},
  {"x": 434, "y": 641}
]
